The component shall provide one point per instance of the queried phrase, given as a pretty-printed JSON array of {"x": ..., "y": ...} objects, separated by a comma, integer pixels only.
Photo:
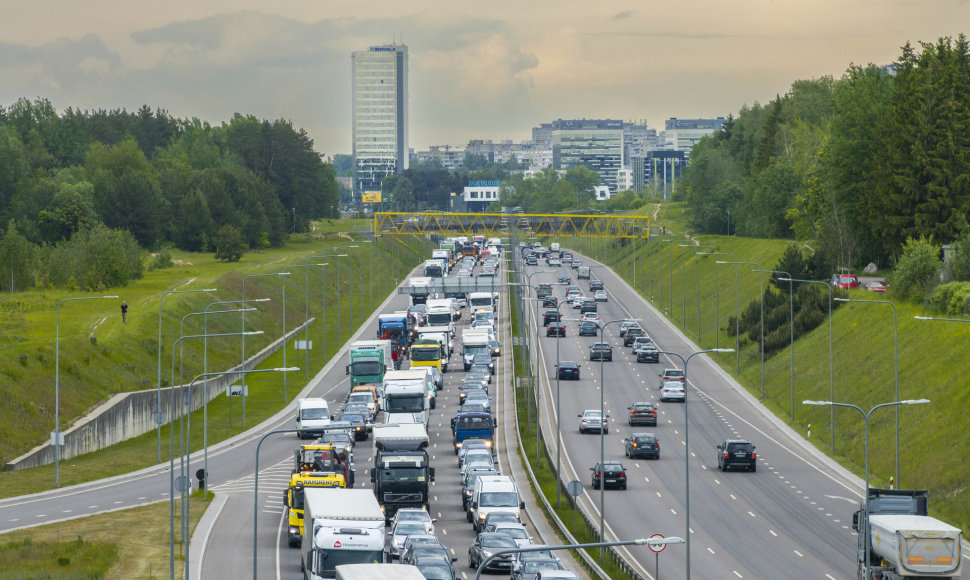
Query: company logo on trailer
[{"x": 337, "y": 544}]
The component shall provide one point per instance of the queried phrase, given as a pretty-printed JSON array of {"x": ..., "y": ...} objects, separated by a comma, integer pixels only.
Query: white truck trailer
[
  {"x": 342, "y": 526},
  {"x": 378, "y": 572}
]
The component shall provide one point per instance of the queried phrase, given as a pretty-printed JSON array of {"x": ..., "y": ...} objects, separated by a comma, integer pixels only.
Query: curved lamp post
[
  {"x": 737, "y": 312},
  {"x": 687, "y": 441},
  {"x": 717, "y": 336},
  {"x": 791, "y": 332},
  {"x": 242, "y": 362},
  {"x": 865, "y": 416},
  {"x": 56, "y": 435}
]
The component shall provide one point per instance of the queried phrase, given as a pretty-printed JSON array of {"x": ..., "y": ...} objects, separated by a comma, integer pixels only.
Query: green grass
[
  {"x": 123, "y": 357},
  {"x": 932, "y": 361},
  {"x": 92, "y": 548}
]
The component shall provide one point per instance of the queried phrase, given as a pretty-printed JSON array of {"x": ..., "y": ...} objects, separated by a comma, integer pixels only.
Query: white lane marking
[
  {"x": 66, "y": 511},
  {"x": 738, "y": 574},
  {"x": 772, "y": 532},
  {"x": 751, "y": 514},
  {"x": 799, "y": 553},
  {"x": 710, "y": 550}
]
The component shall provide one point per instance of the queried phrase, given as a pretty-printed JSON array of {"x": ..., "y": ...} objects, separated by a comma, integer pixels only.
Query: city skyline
[{"x": 476, "y": 72}]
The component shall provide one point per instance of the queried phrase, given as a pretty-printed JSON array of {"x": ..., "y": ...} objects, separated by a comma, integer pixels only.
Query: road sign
[
  {"x": 656, "y": 548},
  {"x": 159, "y": 418},
  {"x": 302, "y": 345},
  {"x": 575, "y": 488}
]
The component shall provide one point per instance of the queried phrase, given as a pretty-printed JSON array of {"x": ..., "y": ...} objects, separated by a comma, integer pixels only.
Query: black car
[
  {"x": 737, "y": 453},
  {"x": 468, "y": 388},
  {"x": 631, "y": 334},
  {"x": 595, "y": 285},
  {"x": 568, "y": 369},
  {"x": 359, "y": 422},
  {"x": 550, "y": 316},
  {"x": 600, "y": 351},
  {"x": 643, "y": 413},
  {"x": 588, "y": 305},
  {"x": 484, "y": 545},
  {"x": 435, "y": 569},
  {"x": 611, "y": 473},
  {"x": 588, "y": 328},
  {"x": 642, "y": 445},
  {"x": 550, "y": 302},
  {"x": 556, "y": 329}
]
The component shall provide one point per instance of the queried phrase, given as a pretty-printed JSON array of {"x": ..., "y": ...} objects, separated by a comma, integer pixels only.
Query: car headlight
[
  {"x": 482, "y": 515},
  {"x": 294, "y": 530}
]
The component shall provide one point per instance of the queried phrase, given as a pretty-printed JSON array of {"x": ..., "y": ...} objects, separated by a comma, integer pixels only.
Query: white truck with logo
[{"x": 342, "y": 526}]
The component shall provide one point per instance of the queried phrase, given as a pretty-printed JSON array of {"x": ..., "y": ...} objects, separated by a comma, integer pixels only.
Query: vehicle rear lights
[{"x": 754, "y": 455}]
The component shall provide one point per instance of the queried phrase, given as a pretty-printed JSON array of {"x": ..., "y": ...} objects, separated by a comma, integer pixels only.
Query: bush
[
  {"x": 952, "y": 299},
  {"x": 917, "y": 269},
  {"x": 229, "y": 244}
]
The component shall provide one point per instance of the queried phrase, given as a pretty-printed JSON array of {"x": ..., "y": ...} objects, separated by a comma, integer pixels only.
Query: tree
[
  {"x": 16, "y": 258},
  {"x": 792, "y": 262},
  {"x": 917, "y": 269},
  {"x": 229, "y": 244}
]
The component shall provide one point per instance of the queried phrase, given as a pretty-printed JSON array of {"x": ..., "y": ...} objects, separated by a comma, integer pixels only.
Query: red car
[
  {"x": 878, "y": 286},
  {"x": 845, "y": 281}
]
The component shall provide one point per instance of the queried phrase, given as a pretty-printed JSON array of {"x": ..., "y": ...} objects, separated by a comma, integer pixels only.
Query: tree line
[
  {"x": 144, "y": 181},
  {"x": 861, "y": 164}
]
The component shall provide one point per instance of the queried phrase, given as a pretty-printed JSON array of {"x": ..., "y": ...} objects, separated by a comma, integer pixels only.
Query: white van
[
  {"x": 494, "y": 493},
  {"x": 312, "y": 417},
  {"x": 478, "y": 299}
]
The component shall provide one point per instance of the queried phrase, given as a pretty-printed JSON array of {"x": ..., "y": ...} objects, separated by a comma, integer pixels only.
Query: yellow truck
[
  {"x": 426, "y": 353},
  {"x": 316, "y": 465}
]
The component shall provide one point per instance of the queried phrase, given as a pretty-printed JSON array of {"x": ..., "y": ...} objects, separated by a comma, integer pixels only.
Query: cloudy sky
[{"x": 479, "y": 70}]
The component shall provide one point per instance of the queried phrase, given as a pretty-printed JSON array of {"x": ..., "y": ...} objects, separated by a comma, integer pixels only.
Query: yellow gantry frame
[{"x": 524, "y": 224}]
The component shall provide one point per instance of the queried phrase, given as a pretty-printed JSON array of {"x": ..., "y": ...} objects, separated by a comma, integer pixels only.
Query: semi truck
[
  {"x": 393, "y": 326},
  {"x": 898, "y": 540},
  {"x": 443, "y": 335},
  {"x": 369, "y": 360},
  {"x": 316, "y": 466},
  {"x": 426, "y": 352},
  {"x": 473, "y": 341},
  {"x": 378, "y": 572},
  {"x": 434, "y": 269},
  {"x": 409, "y": 391},
  {"x": 473, "y": 425},
  {"x": 343, "y": 526},
  {"x": 401, "y": 474},
  {"x": 441, "y": 312}
]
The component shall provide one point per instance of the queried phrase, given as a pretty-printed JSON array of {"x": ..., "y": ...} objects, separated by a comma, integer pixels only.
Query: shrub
[
  {"x": 951, "y": 299},
  {"x": 916, "y": 270}
]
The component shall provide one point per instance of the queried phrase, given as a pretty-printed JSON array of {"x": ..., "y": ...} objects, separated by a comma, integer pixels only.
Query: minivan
[{"x": 312, "y": 417}]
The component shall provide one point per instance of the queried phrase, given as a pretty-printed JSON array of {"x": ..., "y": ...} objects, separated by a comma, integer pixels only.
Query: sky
[{"x": 478, "y": 70}]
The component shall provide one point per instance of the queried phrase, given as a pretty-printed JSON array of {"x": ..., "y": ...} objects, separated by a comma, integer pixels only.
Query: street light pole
[
  {"x": 865, "y": 416},
  {"x": 831, "y": 356},
  {"x": 717, "y": 335},
  {"x": 895, "y": 364},
  {"x": 737, "y": 313},
  {"x": 791, "y": 332},
  {"x": 242, "y": 362},
  {"x": 56, "y": 435},
  {"x": 687, "y": 442},
  {"x": 158, "y": 346},
  {"x": 306, "y": 311},
  {"x": 337, "y": 286}
]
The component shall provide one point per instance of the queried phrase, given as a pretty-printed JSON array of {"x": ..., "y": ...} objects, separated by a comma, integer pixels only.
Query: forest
[
  {"x": 859, "y": 164},
  {"x": 91, "y": 198}
]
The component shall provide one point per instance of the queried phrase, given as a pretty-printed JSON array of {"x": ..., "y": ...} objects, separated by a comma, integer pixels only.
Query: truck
[
  {"x": 434, "y": 269},
  {"x": 444, "y": 335},
  {"x": 473, "y": 341},
  {"x": 898, "y": 540},
  {"x": 444, "y": 253},
  {"x": 402, "y": 473},
  {"x": 343, "y": 526},
  {"x": 426, "y": 352},
  {"x": 473, "y": 425},
  {"x": 441, "y": 312},
  {"x": 317, "y": 465},
  {"x": 393, "y": 326},
  {"x": 409, "y": 391},
  {"x": 369, "y": 360},
  {"x": 378, "y": 572},
  {"x": 494, "y": 493},
  {"x": 420, "y": 288}
]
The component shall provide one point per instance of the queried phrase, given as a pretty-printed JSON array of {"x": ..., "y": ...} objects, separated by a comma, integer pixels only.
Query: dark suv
[
  {"x": 550, "y": 316},
  {"x": 631, "y": 334},
  {"x": 737, "y": 453},
  {"x": 600, "y": 351},
  {"x": 643, "y": 413},
  {"x": 595, "y": 285},
  {"x": 642, "y": 445},
  {"x": 611, "y": 473}
]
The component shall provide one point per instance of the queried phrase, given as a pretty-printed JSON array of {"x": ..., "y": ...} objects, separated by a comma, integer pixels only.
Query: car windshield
[
  {"x": 533, "y": 567},
  {"x": 612, "y": 467},
  {"x": 413, "y": 516},
  {"x": 498, "y": 541},
  {"x": 436, "y": 571},
  {"x": 314, "y": 414},
  {"x": 499, "y": 499},
  {"x": 409, "y": 528},
  {"x": 644, "y": 440}
]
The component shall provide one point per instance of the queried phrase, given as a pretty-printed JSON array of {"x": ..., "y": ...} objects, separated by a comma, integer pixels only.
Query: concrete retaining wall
[{"x": 128, "y": 415}]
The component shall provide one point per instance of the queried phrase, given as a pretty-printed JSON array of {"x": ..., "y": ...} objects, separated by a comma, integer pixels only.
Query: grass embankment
[
  {"x": 99, "y": 356},
  {"x": 932, "y": 361},
  {"x": 90, "y": 548}
]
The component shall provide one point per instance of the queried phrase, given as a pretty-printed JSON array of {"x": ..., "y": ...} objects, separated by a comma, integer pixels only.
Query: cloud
[{"x": 622, "y": 15}]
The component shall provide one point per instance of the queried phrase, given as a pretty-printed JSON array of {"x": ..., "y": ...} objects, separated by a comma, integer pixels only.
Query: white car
[
  {"x": 673, "y": 391},
  {"x": 591, "y": 317},
  {"x": 593, "y": 420},
  {"x": 414, "y": 515}
]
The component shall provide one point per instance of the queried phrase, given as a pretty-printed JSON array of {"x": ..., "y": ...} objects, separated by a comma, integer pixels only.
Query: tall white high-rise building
[{"x": 380, "y": 117}]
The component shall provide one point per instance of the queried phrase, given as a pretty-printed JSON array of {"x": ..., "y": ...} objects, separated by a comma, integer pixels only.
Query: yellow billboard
[{"x": 370, "y": 197}]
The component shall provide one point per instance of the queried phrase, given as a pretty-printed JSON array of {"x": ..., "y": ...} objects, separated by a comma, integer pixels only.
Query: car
[
  {"x": 591, "y": 316},
  {"x": 414, "y": 515},
  {"x": 643, "y": 413},
  {"x": 360, "y": 423},
  {"x": 673, "y": 391},
  {"x": 469, "y": 444},
  {"x": 631, "y": 334},
  {"x": 477, "y": 461},
  {"x": 514, "y": 531},
  {"x": 555, "y": 262},
  {"x": 528, "y": 569},
  {"x": 550, "y": 316},
  {"x": 483, "y": 359},
  {"x": 485, "y": 545},
  {"x": 877, "y": 286},
  {"x": 401, "y": 532},
  {"x": 578, "y": 302},
  {"x": 415, "y": 551},
  {"x": 434, "y": 569},
  {"x": 543, "y": 290},
  {"x": 588, "y": 328},
  {"x": 627, "y": 325},
  {"x": 478, "y": 396},
  {"x": 550, "y": 302},
  {"x": 593, "y": 420},
  {"x": 341, "y": 439},
  {"x": 642, "y": 445},
  {"x": 484, "y": 453},
  {"x": 531, "y": 261},
  {"x": 648, "y": 354},
  {"x": 576, "y": 264},
  {"x": 845, "y": 281},
  {"x": 595, "y": 285},
  {"x": 601, "y": 351},
  {"x": 439, "y": 380},
  {"x": 736, "y": 453},
  {"x": 495, "y": 348},
  {"x": 563, "y": 278},
  {"x": 567, "y": 369},
  {"x": 609, "y": 474},
  {"x": 639, "y": 342},
  {"x": 556, "y": 329},
  {"x": 587, "y": 305},
  {"x": 475, "y": 407},
  {"x": 411, "y": 542},
  {"x": 600, "y": 296},
  {"x": 495, "y": 519},
  {"x": 670, "y": 374}
]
